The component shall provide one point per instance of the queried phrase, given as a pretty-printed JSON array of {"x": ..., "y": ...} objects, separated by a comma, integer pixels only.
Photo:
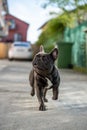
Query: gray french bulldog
[{"x": 44, "y": 68}]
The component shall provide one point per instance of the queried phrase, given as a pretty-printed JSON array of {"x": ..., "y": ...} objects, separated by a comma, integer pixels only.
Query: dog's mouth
[{"x": 35, "y": 65}]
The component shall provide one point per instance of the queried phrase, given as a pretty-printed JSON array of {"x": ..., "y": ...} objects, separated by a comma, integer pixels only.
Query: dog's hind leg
[
  {"x": 55, "y": 92},
  {"x": 44, "y": 94}
]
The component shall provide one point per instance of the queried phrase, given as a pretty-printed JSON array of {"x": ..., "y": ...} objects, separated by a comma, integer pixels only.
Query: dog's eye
[
  {"x": 38, "y": 56},
  {"x": 44, "y": 58}
]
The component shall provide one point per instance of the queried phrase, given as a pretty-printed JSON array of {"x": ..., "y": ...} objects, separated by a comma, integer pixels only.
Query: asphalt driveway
[{"x": 19, "y": 111}]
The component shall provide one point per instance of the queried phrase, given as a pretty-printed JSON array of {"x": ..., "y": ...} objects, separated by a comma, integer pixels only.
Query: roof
[
  {"x": 17, "y": 18},
  {"x": 42, "y": 25}
]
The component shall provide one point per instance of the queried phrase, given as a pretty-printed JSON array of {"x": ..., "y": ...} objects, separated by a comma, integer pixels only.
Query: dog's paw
[
  {"x": 54, "y": 98},
  {"x": 45, "y": 100},
  {"x": 32, "y": 93},
  {"x": 42, "y": 108}
]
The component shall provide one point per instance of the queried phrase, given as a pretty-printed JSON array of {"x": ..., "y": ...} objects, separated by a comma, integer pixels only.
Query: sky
[{"x": 31, "y": 12}]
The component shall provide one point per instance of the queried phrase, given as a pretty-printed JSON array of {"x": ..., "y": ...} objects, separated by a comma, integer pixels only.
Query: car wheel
[{"x": 10, "y": 59}]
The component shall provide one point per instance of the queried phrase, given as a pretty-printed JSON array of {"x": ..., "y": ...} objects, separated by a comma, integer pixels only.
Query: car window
[{"x": 22, "y": 45}]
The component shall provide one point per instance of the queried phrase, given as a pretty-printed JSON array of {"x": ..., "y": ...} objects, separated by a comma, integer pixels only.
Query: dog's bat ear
[
  {"x": 41, "y": 48},
  {"x": 54, "y": 53}
]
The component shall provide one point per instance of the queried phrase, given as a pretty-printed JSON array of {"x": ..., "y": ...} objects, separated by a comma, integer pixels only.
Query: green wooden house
[{"x": 78, "y": 37}]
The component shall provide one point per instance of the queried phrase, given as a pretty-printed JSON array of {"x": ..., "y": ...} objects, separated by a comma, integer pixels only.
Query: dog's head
[{"x": 45, "y": 61}]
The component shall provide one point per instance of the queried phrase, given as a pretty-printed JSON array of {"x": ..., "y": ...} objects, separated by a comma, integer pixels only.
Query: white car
[{"x": 20, "y": 50}]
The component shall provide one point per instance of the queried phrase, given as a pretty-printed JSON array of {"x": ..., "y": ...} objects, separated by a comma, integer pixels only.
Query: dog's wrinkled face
[{"x": 44, "y": 61}]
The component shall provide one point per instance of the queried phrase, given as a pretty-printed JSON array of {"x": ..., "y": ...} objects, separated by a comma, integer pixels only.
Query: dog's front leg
[
  {"x": 31, "y": 79},
  {"x": 39, "y": 93}
]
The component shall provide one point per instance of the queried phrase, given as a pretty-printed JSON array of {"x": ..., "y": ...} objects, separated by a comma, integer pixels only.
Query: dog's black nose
[{"x": 35, "y": 64}]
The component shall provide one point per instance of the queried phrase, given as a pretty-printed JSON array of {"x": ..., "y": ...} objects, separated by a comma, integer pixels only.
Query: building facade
[
  {"x": 3, "y": 12},
  {"x": 17, "y": 29},
  {"x": 78, "y": 36}
]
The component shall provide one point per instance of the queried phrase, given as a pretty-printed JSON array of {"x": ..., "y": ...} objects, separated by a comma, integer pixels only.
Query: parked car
[{"x": 20, "y": 50}]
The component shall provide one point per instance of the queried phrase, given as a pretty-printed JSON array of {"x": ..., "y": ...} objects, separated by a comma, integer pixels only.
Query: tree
[
  {"x": 65, "y": 4},
  {"x": 69, "y": 5},
  {"x": 53, "y": 31}
]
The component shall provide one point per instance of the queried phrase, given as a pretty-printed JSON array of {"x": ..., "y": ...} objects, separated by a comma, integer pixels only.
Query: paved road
[{"x": 19, "y": 111}]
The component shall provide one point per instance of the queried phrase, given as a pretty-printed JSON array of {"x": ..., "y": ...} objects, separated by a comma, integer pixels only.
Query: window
[
  {"x": 17, "y": 37},
  {"x": 12, "y": 24}
]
